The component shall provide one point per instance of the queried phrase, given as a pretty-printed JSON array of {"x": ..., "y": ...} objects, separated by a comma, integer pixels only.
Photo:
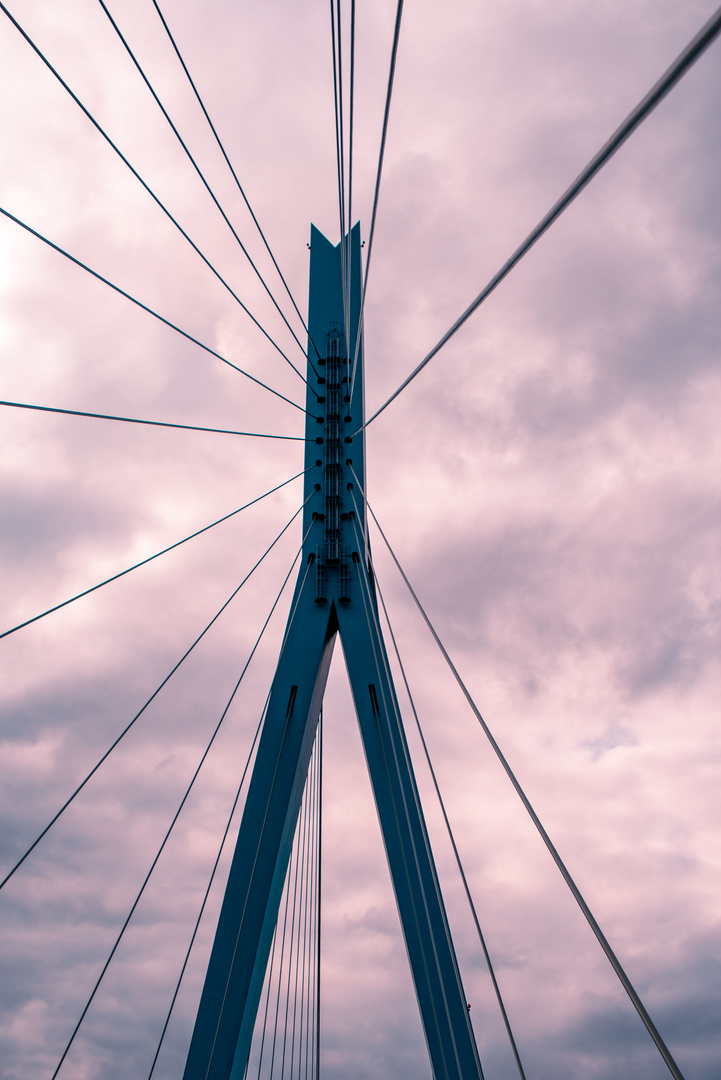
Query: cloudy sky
[{"x": 550, "y": 484}]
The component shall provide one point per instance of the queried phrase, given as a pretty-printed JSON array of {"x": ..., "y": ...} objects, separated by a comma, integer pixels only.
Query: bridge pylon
[{"x": 334, "y": 596}]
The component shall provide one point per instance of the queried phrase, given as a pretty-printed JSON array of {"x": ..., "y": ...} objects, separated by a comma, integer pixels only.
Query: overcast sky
[{"x": 550, "y": 483}]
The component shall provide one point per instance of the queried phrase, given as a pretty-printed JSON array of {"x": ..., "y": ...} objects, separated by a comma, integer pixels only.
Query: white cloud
[{"x": 550, "y": 483}]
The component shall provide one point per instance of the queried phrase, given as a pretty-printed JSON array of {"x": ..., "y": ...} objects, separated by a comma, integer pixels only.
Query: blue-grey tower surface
[{"x": 334, "y": 595}]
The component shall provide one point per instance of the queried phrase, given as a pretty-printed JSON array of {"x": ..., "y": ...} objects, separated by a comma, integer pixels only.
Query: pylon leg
[
  {"x": 226, "y": 1016},
  {"x": 437, "y": 981}
]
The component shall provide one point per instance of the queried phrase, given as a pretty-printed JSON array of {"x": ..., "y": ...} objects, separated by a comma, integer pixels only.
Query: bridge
[{"x": 267, "y": 1005}]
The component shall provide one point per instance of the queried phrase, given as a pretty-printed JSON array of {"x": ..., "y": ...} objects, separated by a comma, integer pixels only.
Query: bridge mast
[{"x": 334, "y": 596}]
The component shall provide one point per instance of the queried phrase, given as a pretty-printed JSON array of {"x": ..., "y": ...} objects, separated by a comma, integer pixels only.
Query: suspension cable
[
  {"x": 301, "y": 916},
  {"x": 152, "y": 697},
  {"x": 137, "y": 175},
  {"x": 153, "y": 423},
  {"x": 173, "y": 822},
  {"x": 234, "y": 175},
  {"x": 299, "y": 863},
  {"x": 338, "y": 102},
  {"x": 140, "y": 304},
  {"x": 207, "y": 892},
  {"x": 392, "y": 707},
  {"x": 294, "y": 850},
  {"x": 307, "y": 911},
  {"x": 307, "y": 907},
  {"x": 451, "y": 837},
  {"x": 150, "y": 558},
  {"x": 613, "y": 959},
  {"x": 683, "y": 62},
  {"x": 204, "y": 181},
  {"x": 340, "y": 153},
  {"x": 269, "y": 974},
  {"x": 318, "y": 923},
  {"x": 267, "y": 1002},
  {"x": 384, "y": 133},
  {"x": 289, "y": 624},
  {"x": 346, "y": 240}
]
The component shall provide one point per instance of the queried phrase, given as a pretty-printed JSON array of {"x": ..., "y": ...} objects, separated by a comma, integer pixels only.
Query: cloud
[{"x": 549, "y": 482}]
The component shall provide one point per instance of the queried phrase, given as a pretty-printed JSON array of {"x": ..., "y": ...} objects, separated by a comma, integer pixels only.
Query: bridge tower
[{"x": 334, "y": 597}]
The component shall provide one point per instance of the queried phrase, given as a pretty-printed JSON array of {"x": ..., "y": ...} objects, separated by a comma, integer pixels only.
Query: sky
[{"x": 550, "y": 484}]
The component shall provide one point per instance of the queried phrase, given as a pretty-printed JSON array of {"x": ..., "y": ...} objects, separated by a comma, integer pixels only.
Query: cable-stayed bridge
[{"x": 263, "y": 1003}]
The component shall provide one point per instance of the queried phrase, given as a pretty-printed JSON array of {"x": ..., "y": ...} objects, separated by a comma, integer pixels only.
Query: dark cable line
[
  {"x": 207, "y": 186},
  {"x": 351, "y": 111},
  {"x": 137, "y": 175},
  {"x": 152, "y": 697},
  {"x": 613, "y": 959},
  {"x": 349, "y": 260},
  {"x": 297, "y": 958},
  {"x": 302, "y": 920},
  {"x": 267, "y": 1001},
  {"x": 339, "y": 39},
  {"x": 338, "y": 103},
  {"x": 286, "y": 890},
  {"x": 293, "y": 852},
  {"x": 311, "y": 1005},
  {"x": 371, "y": 612},
  {"x": 310, "y": 947},
  {"x": 340, "y": 148},
  {"x": 234, "y": 175},
  {"x": 340, "y": 165},
  {"x": 299, "y": 864},
  {"x": 451, "y": 837},
  {"x": 683, "y": 62},
  {"x": 298, "y": 594},
  {"x": 150, "y": 558},
  {"x": 207, "y": 894},
  {"x": 319, "y": 895},
  {"x": 172, "y": 824},
  {"x": 289, "y": 624},
  {"x": 391, "y": 708},
  {"x": 140, "y": 304},
  {"x": 384, "y": 134},
  {"x": 153, "y": 423},
  {"x": 310, "y": 781}
]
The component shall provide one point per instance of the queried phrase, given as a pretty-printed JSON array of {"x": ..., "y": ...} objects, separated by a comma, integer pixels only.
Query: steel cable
[
  {"x": 152, "y": 697},
  {"x": 295, "y": 849},
  {"x": 346, "y": 240},
  {"x": 302, "y": 919},
  {"x": 338, "y": 105},
  {"x": 318, "y": 922},
  {"x": 267, "y": 1002},
  {"x": 203, "y": 179},
  {"x": 275, "y": 775},
  {"x": 683, "y": 62},
  {"x": 293, "y": 855},
  {"x": 207, "y": 894},
  {"x": 173, "y": 822},
  {"x": 152, "y": 423},
  {"x": 392, "y": 709},
  {"x": 233, "y": 174},
  {"x": 144, "y": 307},
  {"x": 299, "y": 864},
  {"x": 451, "y": 837},
  {"x": 150, "y": 558},
  {"x": 384, "y": 134},
  {"x": 307, "y": 912},
  {"x": 603, "y": 942},
  {"x": 137, "y": 175}
]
